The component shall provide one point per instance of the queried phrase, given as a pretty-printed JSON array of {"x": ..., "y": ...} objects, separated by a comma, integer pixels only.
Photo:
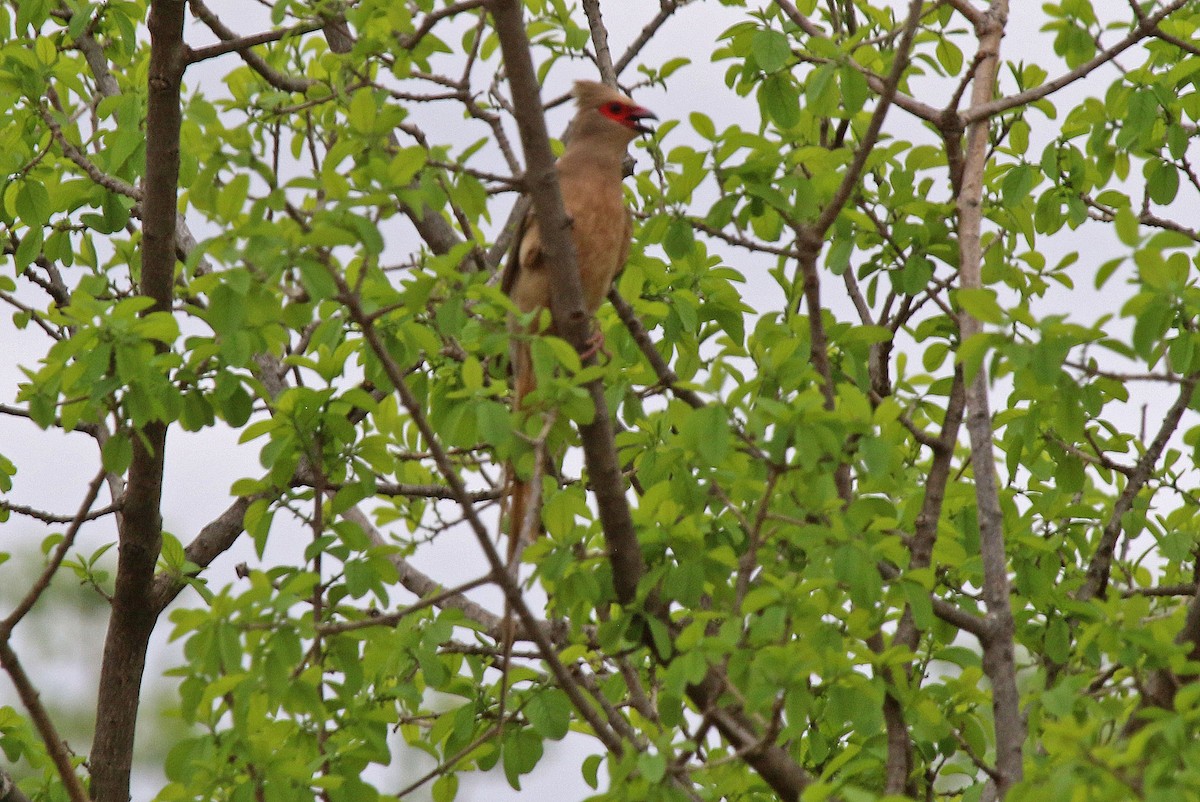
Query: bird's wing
[{"x": 524, "y": 258}]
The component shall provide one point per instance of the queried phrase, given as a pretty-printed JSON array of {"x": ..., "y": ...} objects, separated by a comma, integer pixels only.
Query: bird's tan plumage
[{"x": 590, "y": 172}]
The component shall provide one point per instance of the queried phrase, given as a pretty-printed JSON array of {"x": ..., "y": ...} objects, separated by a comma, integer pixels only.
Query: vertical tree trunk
[
  {"x": 999, "y": 658},
  {"x": 140, "y": 537}
]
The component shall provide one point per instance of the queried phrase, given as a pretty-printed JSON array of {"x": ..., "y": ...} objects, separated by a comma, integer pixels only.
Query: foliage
[{"x": 856, "y": 579}]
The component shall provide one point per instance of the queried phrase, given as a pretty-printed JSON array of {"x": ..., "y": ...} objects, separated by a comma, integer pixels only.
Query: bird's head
[{"x": 605, "y": 112}]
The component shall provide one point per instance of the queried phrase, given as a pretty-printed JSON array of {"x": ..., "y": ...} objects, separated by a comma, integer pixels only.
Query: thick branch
[
  {"x": 775, "y": 765},
  {"x": 215, "y": 539},
  {"x": 140, "y": 535},
  {"x": 600, "y": 42},
  {"x": 998, "y": 651},
  {"x": 566, "y": 304}
]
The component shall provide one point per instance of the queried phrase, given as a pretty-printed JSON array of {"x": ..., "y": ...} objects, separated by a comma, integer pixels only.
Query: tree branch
[
  {"x": 998, "y": 650},
  {"x": 570, "y": 318},
  {"x": 230, "y": 42},
  {"x": 55, "y": 746},
  {"x": 60, "y": 552},
  {"x": 665, "y": 9},
  {"x": 111, "y": 183},
  {"x": 8, "y": 658},
  {"x": 775, "y": 765},
  {"x": 984, "y": 108},
  {"x": 507, "y": 583},
  {"x": 1096, "y": 582},
  {"x": 140, "y": 533},
  {"x": 600, "y": 42},
  {"x": 850, "y": 180}
]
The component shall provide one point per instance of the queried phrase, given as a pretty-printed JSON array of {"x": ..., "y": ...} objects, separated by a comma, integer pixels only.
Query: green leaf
[
  {"x": 522, "y": 750},
  {"x": 679, "y": 239},
  {"x": 971, "y": 353},
  {"x": 703, "y": 125},
  {"x": 591, "y": 770},
  {"x": 33, "y": 204},
  {"x": 405, "y": 165},
  {"x": 445, "y": 788},
  {"x": 364, "y": 111},
  {"x": 233, "y": 197},
  {"x": 855, "y": 89},
  {"x": 1126, "y": 224},
  {"x": 820, "y": 91},
  {"x": 549, "y": 713},
  {"x": 780, "y": 100},
  {"x": 1149, "y": 328},
  {"x": 771, "y": 49},
  {"x": 1162, "y": 182},
  {"x": 949, "y": 55},
  {"x": 981, "y": 304},
  {"x": 652, "y": 766},
  {"x": 117, "y": 453},
  {"x": 1017, "y": 184}
]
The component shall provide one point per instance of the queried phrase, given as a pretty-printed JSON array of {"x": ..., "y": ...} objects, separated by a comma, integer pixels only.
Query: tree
[{"x": 803, "y": 557}]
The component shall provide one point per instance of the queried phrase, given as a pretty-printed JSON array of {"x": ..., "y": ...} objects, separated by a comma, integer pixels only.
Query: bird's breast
[{"x": 600, "y": 231}]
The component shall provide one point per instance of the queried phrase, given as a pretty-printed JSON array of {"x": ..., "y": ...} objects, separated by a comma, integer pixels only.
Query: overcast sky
[{"x": 54, "y": 469}]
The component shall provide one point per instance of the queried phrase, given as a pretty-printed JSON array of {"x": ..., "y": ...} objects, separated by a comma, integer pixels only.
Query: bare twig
[
  {"x": 391, "y": 619},
  {"x": 850, "y": 179},
  {"x": 242, "y": 46},
  {"x": 985, "y": 108},
  {"x": 1097, "y": 578},
  {"x": 60, "y": 552}
]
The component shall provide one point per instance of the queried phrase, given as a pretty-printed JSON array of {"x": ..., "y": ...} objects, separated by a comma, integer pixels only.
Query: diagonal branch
[
  {"x": 242, "y": 44},
  {"x": 29, "y": 695},
  {"x": 570, "y": 318},
  {"x": 231, "y": 42},
  {"x": 60, "y": 552},
  {"x": 983, "y": 108},
  {"x": 850, "y": 180},
  {"x": 109, "y": 182},
  {"x": 774, "y": 764},
  {"x": 507, "y": 583},
  {"x": 1096, "y": 582},
  {"x": 600, "y": 42}
]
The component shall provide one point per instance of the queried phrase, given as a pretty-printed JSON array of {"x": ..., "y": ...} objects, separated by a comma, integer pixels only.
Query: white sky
[{"x": 55, "y": 469}]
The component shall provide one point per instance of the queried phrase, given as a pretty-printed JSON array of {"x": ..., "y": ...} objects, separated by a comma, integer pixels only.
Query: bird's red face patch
[{"x": 628, "y": 115}]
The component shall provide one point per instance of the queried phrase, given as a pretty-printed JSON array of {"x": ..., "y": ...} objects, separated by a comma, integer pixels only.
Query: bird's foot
[{"x": 595, "y": 345}]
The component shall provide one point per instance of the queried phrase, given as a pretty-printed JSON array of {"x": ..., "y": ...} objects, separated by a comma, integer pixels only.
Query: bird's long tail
[{"x": 523, "y": 501}]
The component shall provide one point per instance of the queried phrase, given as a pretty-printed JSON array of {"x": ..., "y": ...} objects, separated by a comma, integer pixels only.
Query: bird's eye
[{"x": 615, "y": 108}]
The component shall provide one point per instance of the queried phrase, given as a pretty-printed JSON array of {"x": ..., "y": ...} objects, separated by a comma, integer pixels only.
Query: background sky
[{"x": 63, "y": 642}]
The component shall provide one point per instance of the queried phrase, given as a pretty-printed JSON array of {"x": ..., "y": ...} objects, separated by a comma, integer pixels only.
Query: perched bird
[{"x": 590, "y": 172}]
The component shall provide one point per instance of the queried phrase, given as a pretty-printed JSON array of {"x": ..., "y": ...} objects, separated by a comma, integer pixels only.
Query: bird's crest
[{"x": 593, "y": 95}]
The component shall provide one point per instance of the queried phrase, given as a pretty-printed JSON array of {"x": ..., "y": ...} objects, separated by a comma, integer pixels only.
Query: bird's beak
[{"x": 638, "y": 113}]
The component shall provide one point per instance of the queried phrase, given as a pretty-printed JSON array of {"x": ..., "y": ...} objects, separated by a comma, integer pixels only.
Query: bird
[{"x": 590, "y": 174}]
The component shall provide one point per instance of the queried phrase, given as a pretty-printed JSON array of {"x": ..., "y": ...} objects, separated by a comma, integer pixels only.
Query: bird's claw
[{"x": 595, "y": 345}]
